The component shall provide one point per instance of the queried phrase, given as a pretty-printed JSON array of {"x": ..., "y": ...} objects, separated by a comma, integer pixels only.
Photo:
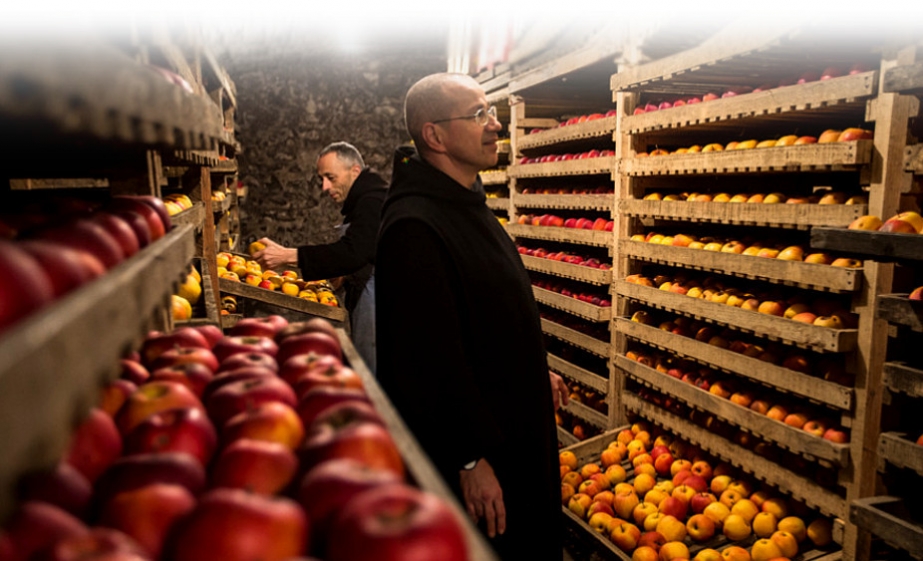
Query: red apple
[
  {"x": 836, "y": 434},
  {"x": 113, "y": 394},
  {"x": 258, "y": 466},
  {"x": 66, "y": 267},
  {"x": 368, "y": 442},
  {"x": 701, "y": 500},
  {"x": 339, "y": 376},
  {"x": 84, "y": 234},
  {"x": 235, "y": 397},
  {"x": 700, "y": 528},
  {"x": 132, "y": 472},
  {"x": 315, "y": 400},
  {"x": 240, "y": 344},
  {"x": 154, "y": 345},
  {"x": 138, "y": 224},
  {"x": 155, "y": 224},
  {"x": 310, "y": 326},
  {"x": 35, "y": 526},
  {"x": 96, "y": 544},
  {"x": 184, "y": 429},
  {"x": 672, "y": 506},
  {"x": 134, "y": 371},
  {"x": 147, "y": 513},
  {"x": 63, "y": 486},
  {"x": 94, "y": 445},
  {"x": 24, "y": 285},
  {"x": 268, "y": 326},
  {"x": 151, "y": 398},
  {"x": 248, "y": 359},
  {"x": 230, "y": 376},
  {"x": 193, "y": 375},
  {"x": 120, "y": 230},
  {"x": 319, "y": 342},
  {"x": 211, "y": 332},
  {"x": 273, "y": 421},
  {"x": 299, "y": 365},
  {"x": 182, "y": 355}
]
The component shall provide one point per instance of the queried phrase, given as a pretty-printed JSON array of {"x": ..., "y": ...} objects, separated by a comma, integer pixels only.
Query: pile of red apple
[
  {"x": 906, "y": 222},
  {"x": 258, "y": 444},
  {"x": 825, "y": 198},
  {"x": 554, "y": 286},
  {"x": 594, "y": 153},
  {"x": 827, "y": 136},
  {"x": 580, "y": 119},
  {"x": 47, "y": 253},
  {"x": 781, "y": 252},
  {"x": 582, "y": 223},
  {"x": 564, "y": 256},
  {"x": 658, "y": 498},
  {"x": 809, "y": 76}
]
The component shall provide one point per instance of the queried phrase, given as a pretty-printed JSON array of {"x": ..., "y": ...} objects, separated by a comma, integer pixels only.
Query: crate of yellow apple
[{"x": 644, "y": 495}]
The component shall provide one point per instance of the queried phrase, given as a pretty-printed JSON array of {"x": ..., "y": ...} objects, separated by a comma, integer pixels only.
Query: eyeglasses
[{"x": 481, "y": 118}]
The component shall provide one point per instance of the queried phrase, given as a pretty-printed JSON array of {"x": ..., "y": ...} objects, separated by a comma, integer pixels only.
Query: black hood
[{"x": 412, "y": 176}]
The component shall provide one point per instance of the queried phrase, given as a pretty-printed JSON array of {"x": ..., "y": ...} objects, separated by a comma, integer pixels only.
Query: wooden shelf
[
  {"x": 599, "y": 128},
  {"x": 598, "y": 238},
  {"x": 798, "y": 486},
  {"x": 494, "y": 178},
  {"x": 791, "y": 273},
  {"x": 833, "y": 156},
  {"x": 795, "y": 440},
  {"x": 572, "y": 305},
  {"x": 587, "y": 166},
  {"x": 763, "y": 325},
  {"x": 565, "y": 438},
  {"x": 53, "y": 363},
  {"x": 583, "y": 202},
  {"x": 901, "y": 378},
  {"x": 884, "y": 247},
  {"x": 811, "y": 387},
  {"x": 502, "y": 203},
  {"x": 194, "y": 216},
  {"x": 901, "y": 310},
  {"x": 583, "y": 412},
  {"x": 888, "y": 518},
  {"x": 770, "y": 103},
  {"x": 236, "y": 288},
  {"x": 906, "y": 79},
  {"x": 899, "y": 450},
  {"x": 568, "y": 270},
  {"x": 746, "y": 214},
  {"x": 576, "y": 338},
  {"x": 578, "y": 374},
  {"x": 207, "y": 158},
  {"x": 224, "y": 166}
]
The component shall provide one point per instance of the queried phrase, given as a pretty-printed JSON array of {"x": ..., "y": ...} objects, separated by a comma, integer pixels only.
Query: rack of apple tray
[{"x": 826, "y": 474}]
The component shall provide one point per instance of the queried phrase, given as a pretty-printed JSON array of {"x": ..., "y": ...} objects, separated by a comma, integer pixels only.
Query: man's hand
[
  {"x": 483, "y": 497},
  {"x": 274, "y": 256},
  {"x": 559, "y": 391}
]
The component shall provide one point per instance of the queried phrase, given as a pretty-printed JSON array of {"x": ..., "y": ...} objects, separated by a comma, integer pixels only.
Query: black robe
[
  {"x": 460, "y": 348},
  {"x": 353, "y": 255}
]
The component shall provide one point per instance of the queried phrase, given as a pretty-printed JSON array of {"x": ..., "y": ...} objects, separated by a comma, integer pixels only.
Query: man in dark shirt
[
  {"x": 361, "y": 192},
  {"x": 460, "y": 349}
]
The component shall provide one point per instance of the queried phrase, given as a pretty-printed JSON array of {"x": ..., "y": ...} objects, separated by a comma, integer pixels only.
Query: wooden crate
[
  {"x": 746, "y": 214},
  {"x": 590, "y": 379},
  {"x": 902, "y": 378},
  {"x": 572, "y": 305},
  {"x": 887, "y": 518},
  {"x": 883, "y": 247},
  {"x": 901, "y": 310},
  {"x": 576, "y": 338},
  {"x": 598, "y": 238},
  {"x": 900, "y": 450},
  {"x": 567, "y": 270},
  {"x": 333, "y": 313}
]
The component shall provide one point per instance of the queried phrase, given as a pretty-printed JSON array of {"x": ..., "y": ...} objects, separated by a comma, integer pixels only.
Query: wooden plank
[
  {"x": 793, "y": 273},
  {"x": 36, "y": 184},
  {"x": 899, "y": 377},
  {"x": 565, "y": 438},
  {"x": 883, "y": 247},
  {"x": 586, "y": 202},
  {"x": 753, "y": 214},
  {"x": 228, "y": 166},
  {"x": 772, "y": 102},
  {"x": 795, "y": 440},
  {"x": 598, "y": 238},
  {"x": 591, "y": 416},
  {"x": 418, "y": 464},
  {"x": 833, "y": 156},
  {"x": 53, "y": 362},
  {"x": 900, "y": 310},
  {"x": 590, "y": 129},
  {"x": 494, "y": 177},
  {"x": 567, "y": 270},
  {"x": 571, "y": 305},
  {"x": 913, "y": 159},
  {"x": 771, "y": 327},
  {"x": 772, "y": 473},
  {"x": 906, "y": 79},
  {"x": 500, "y": 203},
  {"x": 811, "y": 387},
  {"x": 889, "y": 519},
  {"x": 578, "y": 374},
  {"x": 603, "y": 47},
  {"x": 586, "y": 166},
  {"x": 901, "y": 450},
  {"x": 576, "y": 338},
  {"x": 194, "y": 216},
  {"x": 236, "y": 288}
]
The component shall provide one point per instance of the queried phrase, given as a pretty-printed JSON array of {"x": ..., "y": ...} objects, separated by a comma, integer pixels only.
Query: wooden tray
[
  {"x": 811, "y": 387},
  {"x": 798, "y": 216},
  {"x": 887, "y": 518},
  {"x": 598, "y": 238},
  {"x": 282, "y": 300},
  {"x": 53, "y": 363},
  {"x": 763, "y": 325},
  {"x": 587, "y": 166},
  {"x": 572, "y": 305},
  {"x": 868, "y": 244},
  {"x": 901, "y": 310},
  {"x": 597, "y": 382},
  {"x": 799, "y": 487},
  {"x": 567, "y": 270},
  {"x": 900, "y": 450},
  {"x": 599, "y": 128},
  {"x": 576, "y": 338},
  {"x": 899, "y": 377},
  {"x": 790, "y": 273},
  {"x": 584, "y": 202}
]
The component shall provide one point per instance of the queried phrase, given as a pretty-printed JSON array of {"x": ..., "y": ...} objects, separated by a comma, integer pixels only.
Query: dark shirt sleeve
[
  {"x": 351, "y": 252},
  {"x": 422, "y": 363}
]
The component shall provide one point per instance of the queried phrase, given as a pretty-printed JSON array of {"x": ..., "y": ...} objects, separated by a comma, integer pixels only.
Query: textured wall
[{"x": 291, "y": 106}]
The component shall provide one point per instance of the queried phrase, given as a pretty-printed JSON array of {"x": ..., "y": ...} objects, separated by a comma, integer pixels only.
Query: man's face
[
  {"x": 337, "y": 176},
  {"x": 470, "y": 144}
]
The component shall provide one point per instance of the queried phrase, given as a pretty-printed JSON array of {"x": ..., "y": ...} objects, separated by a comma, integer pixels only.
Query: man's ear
[{"x": 433, "y": 136}]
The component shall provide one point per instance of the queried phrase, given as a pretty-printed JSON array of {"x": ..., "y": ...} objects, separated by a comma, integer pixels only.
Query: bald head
[{"x": 434, "y": 97}]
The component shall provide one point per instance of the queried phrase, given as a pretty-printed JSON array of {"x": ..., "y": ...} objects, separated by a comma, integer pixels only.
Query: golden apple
[
  {"x": 787, "y": 543},
  {"x": 829, "y": 135},
  {"x": 774, "y": 198},
  {"x": 764, "y": 524},
  {"x": 791, "y": 253},
  {"x": 769, "y": 143},
  {"x": 795, "y": 526},
  {"x": 736, "y": 528},
  {"x": 764, "y": 549},
  {"x": 820, "y": 532},
  {"x": 787, "y": 140}
]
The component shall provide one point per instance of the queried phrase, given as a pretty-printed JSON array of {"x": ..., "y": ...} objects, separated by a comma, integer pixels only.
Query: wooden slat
[
  {"x": 900, "y": 310},
  {"x": 590, "y": 129},
  {"x": 36, "y": 184},
  {"x": 801, "y": 97},
  {"x": 888, "y": 518},
  {"x": 587, "y": 166},
  {"x": 833, "y": 156},
  {"x": 565, "y": 438},
  {"x": 494, "y": 177},
  {"x": 899, "y": 377},
  {"x": 795, "y": 440},
  {"x": 906, "y": 78},
  {"x": 869, "y": 244},
  {"x": 591, "y": 416},
  {"x": 567, "y": 270},
  {"x": 418, "y": 464},
  {"x": 811, "y": 387},
  {"x": 753, "y": 214},
  {"x": 194, "y": 216},
  {"x": 772, "y": 473},
  {"x": 586, "y": 202},
  {"x": 771, "y": 327},
  {"x": 574, "y": 337},
  {"x": 53, "y": 362},
  {"x": 236, "y": 288},
  {"x": 578, "y": 374},
  {"x": 900, "y": 450},
  {"x": 793, "y": 273},
  {"x": 498, "y": 203},
  {"x": 572, "y": 305},
  {"x": 598, "y": 238},
  {"x": 913, "y": 159},
  {"x": 224, "y": 166}
]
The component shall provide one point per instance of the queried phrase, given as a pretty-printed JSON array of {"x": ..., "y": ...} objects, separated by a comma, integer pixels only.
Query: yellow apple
[
  {"x": 787, "y": 140},
  {"x": 671, "y": 528},
  {"x": 746, "y": 509},
  {"x": 764, "y": 524},
  {"x": 769, "y": 143},
  {"x": 764, "y": 549},
  {"x": 791, "y": 253},
  {"x": 717, "y": 511},
  {"x": 787, "y": 543},
  {"x": 867, "y": 222},
  {"x": 774, "y": 198},
  {"x": 776, "y": 506},
  {"x": 819, "y": 258},
  {"x": 707, "y": 554},
  {"x": 674, "y": 550},
  {"x": 795, "y": 526},
  {"x": 832, "y": 198},
  {"x": 820, "y": 532},
  {"x": 736, "y": 527},
  {"x": 739, "y": 198}
]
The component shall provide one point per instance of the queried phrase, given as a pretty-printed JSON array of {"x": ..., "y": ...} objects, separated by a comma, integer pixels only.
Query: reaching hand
[
  {"x": 559, "y": 391},
  {"x": 274, "y": 256},
  {"x": 484, "y": 497}
]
